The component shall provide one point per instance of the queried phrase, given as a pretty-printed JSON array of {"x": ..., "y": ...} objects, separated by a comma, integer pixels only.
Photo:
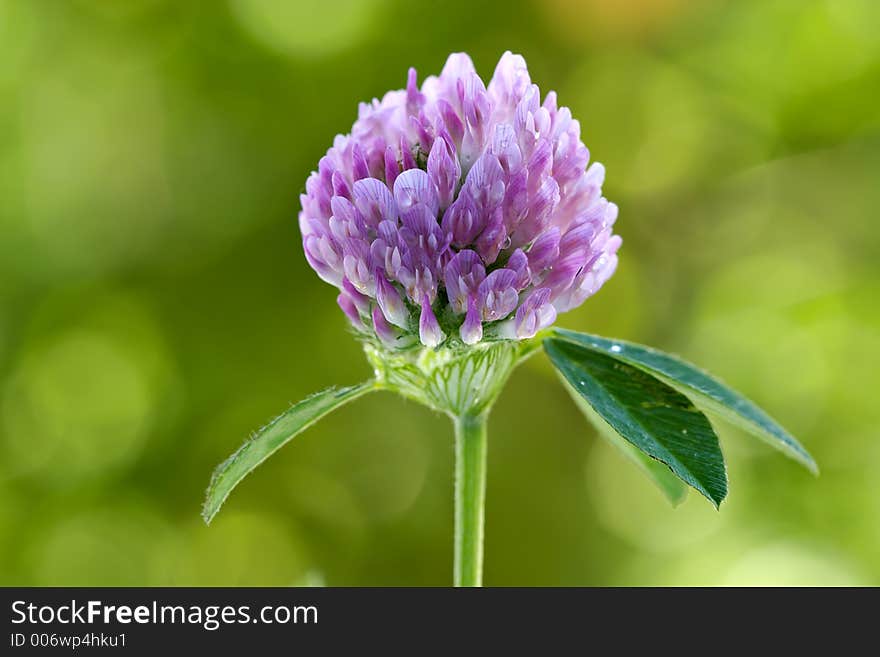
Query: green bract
[{"x": 456, "y": 381}]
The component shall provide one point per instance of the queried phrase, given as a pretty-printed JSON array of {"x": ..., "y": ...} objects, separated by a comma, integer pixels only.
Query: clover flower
[
  {"x": 460, "y": 210},
  {"x": 456, "y": 220}
]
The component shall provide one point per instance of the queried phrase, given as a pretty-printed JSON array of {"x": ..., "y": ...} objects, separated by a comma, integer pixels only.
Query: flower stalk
[
  {"x": 463, "y": 383},
  {"x": 470, "y": 498}
]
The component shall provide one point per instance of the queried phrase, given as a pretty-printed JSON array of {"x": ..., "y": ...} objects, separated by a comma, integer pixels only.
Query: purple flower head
[{"x": 460, "y": 211}]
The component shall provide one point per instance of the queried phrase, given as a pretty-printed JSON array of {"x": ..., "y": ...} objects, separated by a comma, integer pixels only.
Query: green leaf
[
  {"x": 670, "y": 485},
  {"x": 706, "y": 391},
  {"x": 272, "y": 437},
  {"x": 654, "y": 417}
]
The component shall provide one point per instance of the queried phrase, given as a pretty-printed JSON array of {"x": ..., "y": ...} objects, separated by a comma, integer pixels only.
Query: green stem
[{"x": 470, "y": 498}]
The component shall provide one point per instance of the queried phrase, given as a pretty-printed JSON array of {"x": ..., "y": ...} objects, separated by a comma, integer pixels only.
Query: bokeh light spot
[
  {"x": 118, "y": 545},
  {"x": 789, "y": 565},
  {"x": 84, "y": 391},
  {"x": 79, "y": 403},
  {"x": 95, "y": 189},
  {"x": 578, "y": 21},
  {"x": 244, "y": 549},
  {"x": 758, "y": 341},
  {"x": 306, "y": 27}
]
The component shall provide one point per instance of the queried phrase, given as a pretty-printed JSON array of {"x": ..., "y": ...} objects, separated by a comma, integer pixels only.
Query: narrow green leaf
[
  {"x": 659, "y": 473},
  {"x": 654, "y": 417},
  {"x": 272, "y": 437},
  {"x": 706, "y": 391}
]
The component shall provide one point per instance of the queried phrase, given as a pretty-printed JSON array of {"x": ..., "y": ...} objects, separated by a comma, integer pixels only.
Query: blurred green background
[{"x": 155, "y": 306}]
